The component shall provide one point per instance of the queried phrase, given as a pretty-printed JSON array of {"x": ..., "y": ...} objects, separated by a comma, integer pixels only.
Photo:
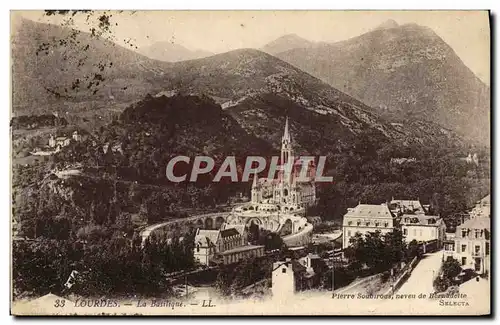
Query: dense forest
[
  {"x": 105, "y": 266},
  {"x": 36, "y": 121}
]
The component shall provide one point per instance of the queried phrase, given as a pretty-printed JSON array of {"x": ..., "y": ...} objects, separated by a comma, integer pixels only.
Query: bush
[
  {"x": 441, "y": 284},
  {"x": 451, "y": 268}
]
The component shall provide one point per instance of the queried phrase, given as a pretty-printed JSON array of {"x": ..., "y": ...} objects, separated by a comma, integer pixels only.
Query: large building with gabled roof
[
  {"x": 365, "y": 218},
  {"x": 226, "y": 245}
]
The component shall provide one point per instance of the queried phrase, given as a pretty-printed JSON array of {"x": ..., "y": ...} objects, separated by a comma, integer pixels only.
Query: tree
[
  {"x": 451, "y": 268},
  {"x": 253, "y": 233},
  {"x": 375, "y": 252},
  {"x": 413, "y": 249},
  {"x": 273, "y": 241},
  {"x": 395, "y": 246}
]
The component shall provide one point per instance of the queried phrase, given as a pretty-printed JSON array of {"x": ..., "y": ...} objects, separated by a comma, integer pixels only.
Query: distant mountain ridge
[
  {"x": 172, "y": 52},
  {"x": 56, "y": 67},
  {"x": 405, "y": 72},
  {"x": 257, "y": 89},
  {"x": 286, "y": 43}
]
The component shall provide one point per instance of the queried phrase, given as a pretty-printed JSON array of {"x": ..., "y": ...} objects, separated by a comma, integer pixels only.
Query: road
[{"x": 421, "y": 278}]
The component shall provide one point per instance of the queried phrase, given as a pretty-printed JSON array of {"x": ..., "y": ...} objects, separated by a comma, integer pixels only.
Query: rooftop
[
  {"x": 242, "y": 249},
  {"x": 420, "y": 219},
  {"x": 206, "y": 237},
  {"x": 476, "y": 223},
  {"x": 296, "y": 266},
  {"x": 229, "y": 232},
  {"x": 370, "y": 210},
  {"x": 412, "y": 205}
]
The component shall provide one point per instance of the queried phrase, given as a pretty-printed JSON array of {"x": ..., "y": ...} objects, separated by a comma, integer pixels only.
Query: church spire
[
  {"x": 286, "y": 134},
  {"x": 254, "y": 179},
  {"x": 287, "y": 150}
]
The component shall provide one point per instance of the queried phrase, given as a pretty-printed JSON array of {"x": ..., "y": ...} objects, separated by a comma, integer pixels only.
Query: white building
[
  {"x": 205, "y": 244},
  {"x": 77, "y": 137},
  {"x": 424, "y": 228},
  {"x": 284, "y": 278},
  {"x": 58, "y": 141},
  {"x": 63, "y": 141},
  {"x": 366, "y": 218},
  {"x": 471, "y": 245}
]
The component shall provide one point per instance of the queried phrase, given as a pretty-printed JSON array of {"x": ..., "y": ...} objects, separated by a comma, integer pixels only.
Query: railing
[{"x": 405, "y": 273}]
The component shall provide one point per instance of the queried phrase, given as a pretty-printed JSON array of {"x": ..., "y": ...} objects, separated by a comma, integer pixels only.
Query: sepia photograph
[{"x": 250, "y": 163}]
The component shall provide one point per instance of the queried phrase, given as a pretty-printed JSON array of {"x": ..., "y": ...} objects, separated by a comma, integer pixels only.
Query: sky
[{"x": 467, "y": 32}]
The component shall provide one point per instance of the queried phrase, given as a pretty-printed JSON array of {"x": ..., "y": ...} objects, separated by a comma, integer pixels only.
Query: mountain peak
[
  {"x": 285, "y": 43},
  {"x": 292, "y": 36},
  {"x": 172, "y": 52},
  {"x": 388, "y": 24}
]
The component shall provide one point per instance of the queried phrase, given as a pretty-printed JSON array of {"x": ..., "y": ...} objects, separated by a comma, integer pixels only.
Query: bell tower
[
  {"x": 286, "y": 165},
  {"x": 256, "y": 195},
  {"x": 286, "y": 146}
]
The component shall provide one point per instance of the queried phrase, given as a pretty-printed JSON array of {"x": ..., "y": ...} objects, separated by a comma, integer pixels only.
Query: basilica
[{"x": 290, "y": 190}]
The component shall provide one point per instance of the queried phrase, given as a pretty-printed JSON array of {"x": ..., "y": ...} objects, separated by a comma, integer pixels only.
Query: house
[
  {"x": 63, "y": 141},
  {"x": 314, "y": 265},
  {"x": 471, "y": 245},
  {"x": 399, "y": 207},
  {"x": 226, "y": 246},
  {"x": 286, "y": 277},
  {"x": 58, "y": 141},
  {"x": 423, "y": 228},
  {"x": 365, "y": 218},
  {"x": 77, "y": 137},
  {"x": 205, "y": 243}
]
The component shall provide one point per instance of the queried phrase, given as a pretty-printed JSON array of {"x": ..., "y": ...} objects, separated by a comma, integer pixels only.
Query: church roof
[
  {"x": 229, "y": 232},
  {"x": 239, "y": 228}
]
